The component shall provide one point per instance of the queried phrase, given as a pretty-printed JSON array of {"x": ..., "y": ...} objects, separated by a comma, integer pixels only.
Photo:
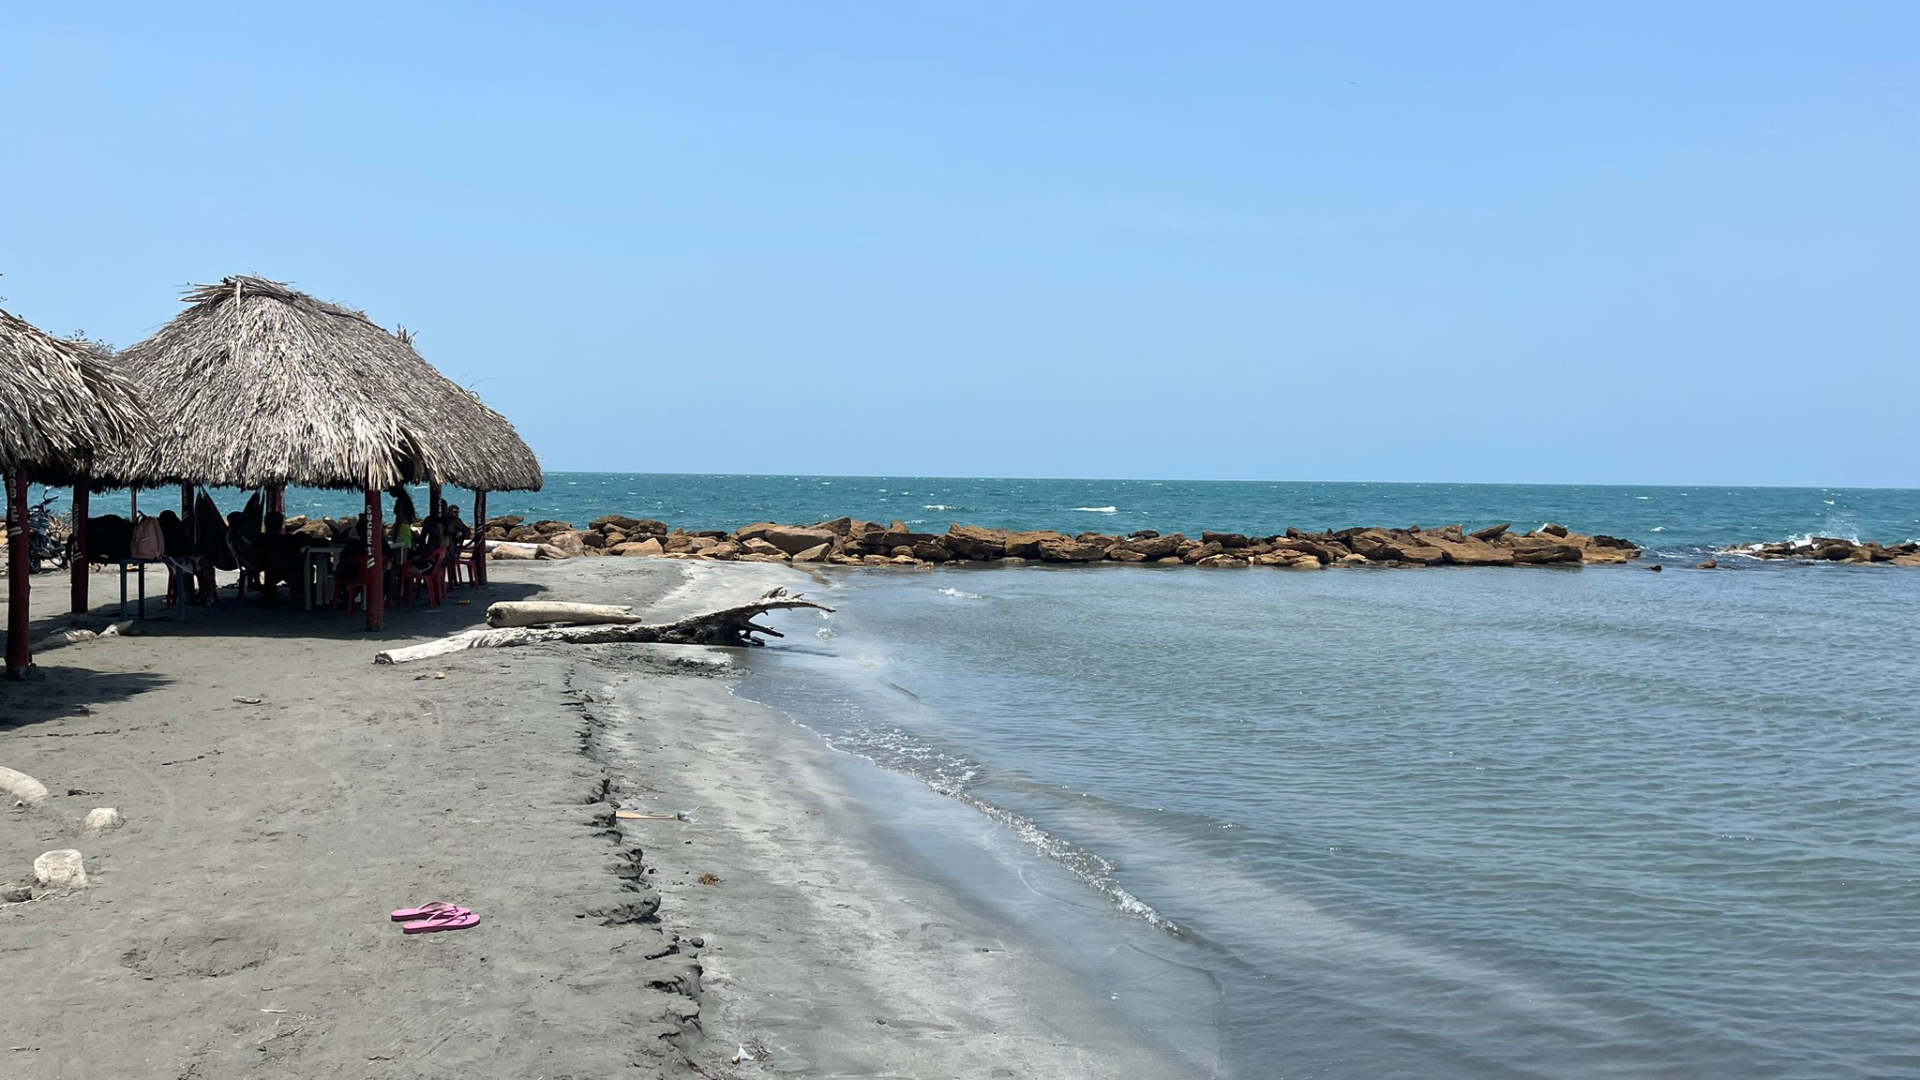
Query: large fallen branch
[
  {"x": 554, "y": 613},
  {"x": 733, "y": 626}
]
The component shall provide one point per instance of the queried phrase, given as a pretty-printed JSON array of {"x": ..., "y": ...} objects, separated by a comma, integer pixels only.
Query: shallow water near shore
[{"x": 1582, "y": 823}]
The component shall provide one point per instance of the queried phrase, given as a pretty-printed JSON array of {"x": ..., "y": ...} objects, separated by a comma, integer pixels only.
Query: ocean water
[
  {"x": 1681, "y": 520},
  {"x": 1452, "y": 823}
]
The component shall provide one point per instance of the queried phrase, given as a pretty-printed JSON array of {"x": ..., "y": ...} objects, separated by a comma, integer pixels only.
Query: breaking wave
[
  {"x": 952, "y": 775},
  {"x": 959, "y": 594},
  {"x": 1096, "y": 509}
]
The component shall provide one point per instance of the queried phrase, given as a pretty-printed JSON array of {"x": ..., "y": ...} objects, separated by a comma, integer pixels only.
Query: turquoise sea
[
  {"x": 1443, "y": 823},
  {"x": 1680, "y": 520}
]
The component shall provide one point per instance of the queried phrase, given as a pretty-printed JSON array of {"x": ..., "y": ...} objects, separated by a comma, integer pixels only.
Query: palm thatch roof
[
  {"x": 258, "y": 385},
  {"x": 60, "y": 405}
]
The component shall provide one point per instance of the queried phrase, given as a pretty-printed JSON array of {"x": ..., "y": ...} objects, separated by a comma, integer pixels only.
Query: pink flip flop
[
  {"x": 452, "y": 918},
  {"x": 431, "y": 907}
]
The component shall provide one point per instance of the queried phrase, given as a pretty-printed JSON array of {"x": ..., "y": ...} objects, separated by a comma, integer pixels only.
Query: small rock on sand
[
  {"x": 100, "y": 819},
  {"x": 60, "y": 870}
]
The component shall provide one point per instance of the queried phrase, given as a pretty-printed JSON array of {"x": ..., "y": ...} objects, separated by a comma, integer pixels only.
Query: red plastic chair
[
  {"x": 465, "y": 563},
  {"x": 432, "y": 577},
  {"x": 350, "y": 584}
]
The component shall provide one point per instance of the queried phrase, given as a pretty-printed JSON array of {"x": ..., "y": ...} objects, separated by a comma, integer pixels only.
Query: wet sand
[{"x": 237, "y": 924}]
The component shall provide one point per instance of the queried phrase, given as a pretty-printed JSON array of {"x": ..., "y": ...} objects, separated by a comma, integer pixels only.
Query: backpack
[{"x": 148, "y": 543}]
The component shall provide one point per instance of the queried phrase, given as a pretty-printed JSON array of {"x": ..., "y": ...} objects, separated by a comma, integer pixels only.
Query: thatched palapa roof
[
  {"x": 59, "y": 404},
  {"x": 258, "y": 385}
]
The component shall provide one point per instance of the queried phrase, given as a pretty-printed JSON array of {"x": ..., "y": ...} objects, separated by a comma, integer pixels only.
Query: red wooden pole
[
  {"x": 82, "y": 498},
  {"x": 377, "y": 559},
  {"x": 433, "y": 500},
  {"x": 277, "y": 500},
  {"x": 18, "y": 655},
  {"x": 479, "y": 539}
]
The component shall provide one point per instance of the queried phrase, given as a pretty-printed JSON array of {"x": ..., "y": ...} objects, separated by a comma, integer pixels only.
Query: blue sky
[{"x": 1635, "y": 243}]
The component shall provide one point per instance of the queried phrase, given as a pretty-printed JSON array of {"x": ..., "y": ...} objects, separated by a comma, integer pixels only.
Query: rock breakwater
[
  {"x": 1833, "y": 549},
  {"x": 849, "y": 542}
]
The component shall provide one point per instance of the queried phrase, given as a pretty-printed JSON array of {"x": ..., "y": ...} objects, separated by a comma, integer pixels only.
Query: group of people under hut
[{"x": 258, "y": 543}]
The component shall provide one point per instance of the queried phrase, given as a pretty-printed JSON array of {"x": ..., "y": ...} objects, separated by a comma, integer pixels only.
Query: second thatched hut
[{"x": 258, "y": 385}]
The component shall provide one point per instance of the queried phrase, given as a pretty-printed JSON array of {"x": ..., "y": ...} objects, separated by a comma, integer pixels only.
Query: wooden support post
[
  {"x": 82, "y": 499},
  {"x": 277, "y": 500},
  {"x": 434, "y": 506},
  {"x": 186, "y": 505},
  {"x": 19, "y": 657},
  {"x": 376, "y": 570},
  {"x": 479, "y": 539}
]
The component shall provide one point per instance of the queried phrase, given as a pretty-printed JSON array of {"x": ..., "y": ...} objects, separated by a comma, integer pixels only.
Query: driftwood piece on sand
[
  {"x": 549, "y": 612},
  {"x": 732, "y": 626}
]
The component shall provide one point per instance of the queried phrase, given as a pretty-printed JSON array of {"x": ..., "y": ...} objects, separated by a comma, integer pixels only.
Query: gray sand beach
[{"x": 281, "y": 794}]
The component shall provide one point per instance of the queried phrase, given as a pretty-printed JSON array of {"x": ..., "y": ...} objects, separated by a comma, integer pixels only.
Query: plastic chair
[
  {"x": 350, "y": 583},
  {"x": 432, "y": 576},
  {"x": 464, "y": 563}
]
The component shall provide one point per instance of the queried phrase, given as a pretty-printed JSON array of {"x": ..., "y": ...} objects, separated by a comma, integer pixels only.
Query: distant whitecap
[{"x": 1097, "y": 509}]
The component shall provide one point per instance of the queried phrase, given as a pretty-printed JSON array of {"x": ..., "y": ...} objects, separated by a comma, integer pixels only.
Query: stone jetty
[
  {"x": 1833, "y": 549},
  {"x": 850, "y": 542}
]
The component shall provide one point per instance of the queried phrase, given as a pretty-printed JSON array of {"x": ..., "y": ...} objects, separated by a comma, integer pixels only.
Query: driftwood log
[
  {"x": 733, "y": 626},
  {"x": 552, "y": 613}
]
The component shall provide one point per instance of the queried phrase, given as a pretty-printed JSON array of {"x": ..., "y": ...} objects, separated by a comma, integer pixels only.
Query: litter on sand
[{"x": 637, "y": 815}]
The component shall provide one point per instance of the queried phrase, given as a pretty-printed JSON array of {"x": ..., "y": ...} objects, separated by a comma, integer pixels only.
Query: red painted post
[
  {"x": 377, "y": 558},
  {"x": 479, "y": 539},
  {"x": 82, "y": 498},
  {"x": 18, "y": 656},
  {"x": 277, "y": 500}
]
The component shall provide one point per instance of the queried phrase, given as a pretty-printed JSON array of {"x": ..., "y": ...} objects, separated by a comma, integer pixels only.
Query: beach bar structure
[
  {"x": 60, "y": 407},
  {"x": 258, "y": 386}
]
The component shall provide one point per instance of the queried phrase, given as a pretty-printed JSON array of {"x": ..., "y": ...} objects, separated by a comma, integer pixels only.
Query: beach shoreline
[{"x": 236, "y": 924}]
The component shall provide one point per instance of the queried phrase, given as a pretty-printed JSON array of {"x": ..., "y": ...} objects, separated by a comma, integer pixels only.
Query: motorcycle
[{"x": 48, "y": 536}]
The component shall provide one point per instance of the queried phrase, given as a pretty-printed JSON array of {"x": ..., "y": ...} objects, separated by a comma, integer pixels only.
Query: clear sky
[{"x": 1634, "y": 243}]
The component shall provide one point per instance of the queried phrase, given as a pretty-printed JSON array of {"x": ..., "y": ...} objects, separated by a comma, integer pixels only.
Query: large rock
[
  {"x": 1222, "y": 562},
  {"x": 1148, "y": 547},
  {"x": 1228, "y": 541},
  {"x": 61, "y": 869},
  {"x": 19, "y": 789},
  {"x": 551, "y": 552},
  {"x": 725, "y": 550},
  {"x": 1491, "y": 531},
  {"x": 1325, "y": 551},
  {"x": 1191, "y": 554},
  {"x": 759, "y": 546},
  {"x": 1064, "y": 550},
  {"x": 1376, "y": 544},
  {"x": 1539, "y": 549},
  {"x": 570, "y": 542},
  {"x": 650, "y": 548},
  {"x": 816, "y": 553},
  {"x": 930, "y": 551},
  {"x": 510, "y": 553},
  {"x": 977, "y": 543},
  {"x": 103, "y": 818},
  {"x": 1468, "y": 551},
  {"x": 1596, "y": 554},
  {"x": 1026, "y": 545},
  {"x": 791, "y": 539}
]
